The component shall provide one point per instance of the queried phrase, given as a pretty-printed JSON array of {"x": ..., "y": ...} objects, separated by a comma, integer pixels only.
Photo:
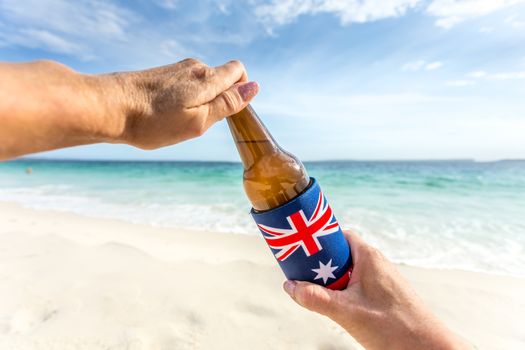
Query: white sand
[{"x": 71, "y": 282}]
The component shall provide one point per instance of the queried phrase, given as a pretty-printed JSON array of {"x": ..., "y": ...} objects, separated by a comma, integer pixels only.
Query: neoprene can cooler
[{"x": 306, "y": 239}]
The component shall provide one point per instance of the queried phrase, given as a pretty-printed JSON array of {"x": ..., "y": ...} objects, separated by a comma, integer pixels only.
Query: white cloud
[
  {"x": 477, "y": 74},
  {"x": 481, "y": 75},
  {"x": 167, "y": 4},
  {"x": 421, "y": 64},
  {"x": 486, "y": 29},
  {"x": 280, "y": 12},
  {"x": 60, "y": 26},
  {"x": 448, "y": 12},
  {"x": 89, "y": 30},
  {"x": 507, "y": 76},
  {"x": 459, "y": 83},
  {"x": 174, "y": 50},
  {"x": 36, "y": 38},
  {"x": 497, "y": 76},
  {"x": 514, "y": 22},
  {"x": 433, "y": 65},
  {"x": 82, "y": 18},
  {"x": 413, "y": 65},
  {"x": 452, "y": 12},
  {"x": 223, "y": 7}
]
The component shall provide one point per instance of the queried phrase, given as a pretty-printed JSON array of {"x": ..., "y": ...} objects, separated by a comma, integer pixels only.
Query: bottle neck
[
  {"x": 251, "y": 137},
  {"x": 272, "y": 176}
]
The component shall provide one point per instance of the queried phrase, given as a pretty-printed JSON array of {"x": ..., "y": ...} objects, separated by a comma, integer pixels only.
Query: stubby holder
[{"x": 306, "y": 239}]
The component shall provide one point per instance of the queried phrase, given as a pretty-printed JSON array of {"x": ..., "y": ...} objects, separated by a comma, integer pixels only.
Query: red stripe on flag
[
  {"x": 342, "y": 282},
  {"x": 270, "y": 232},
  {"x": 335, "y": 224},
  {"x": 288, "y": 252},
  {"x": 319, "y": 203}
]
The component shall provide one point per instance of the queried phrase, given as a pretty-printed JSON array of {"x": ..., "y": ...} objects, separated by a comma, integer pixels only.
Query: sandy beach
[{"x": 69, "y": 281}]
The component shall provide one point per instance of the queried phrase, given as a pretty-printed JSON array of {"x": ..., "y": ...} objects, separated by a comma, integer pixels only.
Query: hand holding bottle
[
  {"x": 46, "y": 105},
  {"x": 378, "y": 308},
  {"x": 170, "y": 104}
]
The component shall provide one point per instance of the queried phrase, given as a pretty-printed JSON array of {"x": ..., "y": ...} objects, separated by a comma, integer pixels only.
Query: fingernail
[
  {"x": 248, "y": 90},
  {"x": 289, "y": 287}
]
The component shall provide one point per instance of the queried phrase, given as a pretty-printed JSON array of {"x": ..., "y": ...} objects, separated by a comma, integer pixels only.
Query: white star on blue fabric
[{"x": 325, "y": 271}]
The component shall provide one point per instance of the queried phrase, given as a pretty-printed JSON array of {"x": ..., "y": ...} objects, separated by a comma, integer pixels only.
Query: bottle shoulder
[
  {"x": 276, "y": 165},
  {"x": 274, "y": 179}
]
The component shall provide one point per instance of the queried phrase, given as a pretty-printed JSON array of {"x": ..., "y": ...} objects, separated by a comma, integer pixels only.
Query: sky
[{"x": 355, "y": 79}]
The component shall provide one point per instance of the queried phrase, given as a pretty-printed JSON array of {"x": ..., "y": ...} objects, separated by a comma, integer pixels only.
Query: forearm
[
  {"x": 45, "y": 106},
  {"x": 399, "y": 330}
]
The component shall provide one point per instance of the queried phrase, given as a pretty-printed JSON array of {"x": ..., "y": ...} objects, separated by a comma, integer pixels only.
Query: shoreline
[
  {"x": 255, "y": 235},
  {"x": 77, "y": 281}
]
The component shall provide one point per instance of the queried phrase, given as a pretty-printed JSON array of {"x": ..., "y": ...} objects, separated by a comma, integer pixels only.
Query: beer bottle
[{"x": 289, "y": 208}]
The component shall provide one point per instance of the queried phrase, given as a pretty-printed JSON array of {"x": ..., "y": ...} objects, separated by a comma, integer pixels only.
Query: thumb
[
  {"x": 232, "y": 100},
  {"x": 312, "y": 296}
]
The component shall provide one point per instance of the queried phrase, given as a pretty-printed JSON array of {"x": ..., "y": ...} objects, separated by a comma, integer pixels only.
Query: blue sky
[{"x": 368, "y": 79}]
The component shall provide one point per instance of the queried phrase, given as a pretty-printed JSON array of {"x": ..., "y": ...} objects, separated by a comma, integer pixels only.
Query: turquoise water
[{"x": 457, "y": 214}]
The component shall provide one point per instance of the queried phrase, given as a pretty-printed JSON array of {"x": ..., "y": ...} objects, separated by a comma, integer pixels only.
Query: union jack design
[{"x": 303, "y": 232}]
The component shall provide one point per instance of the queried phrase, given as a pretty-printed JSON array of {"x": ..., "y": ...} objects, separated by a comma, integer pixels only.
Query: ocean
[{"x": 442, "y": 214}]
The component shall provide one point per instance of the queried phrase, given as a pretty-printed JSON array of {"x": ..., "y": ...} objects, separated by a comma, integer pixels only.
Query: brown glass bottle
[{"x": 272, "y": 176}]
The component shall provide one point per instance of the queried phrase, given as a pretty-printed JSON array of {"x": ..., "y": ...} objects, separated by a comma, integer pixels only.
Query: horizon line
[{"x": 87, "y": 160}]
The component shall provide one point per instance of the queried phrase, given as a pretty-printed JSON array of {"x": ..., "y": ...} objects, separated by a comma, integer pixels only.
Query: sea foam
[{"x": 453, "y": 215}]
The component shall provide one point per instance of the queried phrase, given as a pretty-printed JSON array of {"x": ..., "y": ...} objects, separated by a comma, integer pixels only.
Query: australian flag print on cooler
[{"x": 306, "y": 239}]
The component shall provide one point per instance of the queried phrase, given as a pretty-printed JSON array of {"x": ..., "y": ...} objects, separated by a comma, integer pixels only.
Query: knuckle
[
  {"x": 147, "y": 147},
  {"x": 231, "y": 102},
  {"x": 374, "y": 254},
  {"x": 45, "y": 63},
  {"x": 348, "y": 234},
  {"x": 52, "y": 66},
  {"x": 143, "y": 144},
  {"x": 238, "y": 64},
  {"x": 305, "y": 296},
  {"x": 202, "y": 72},
  {"x": 190, "y": 61},
  {"x": 348, "y": 231},
  {"x": 197, "y": 126}
]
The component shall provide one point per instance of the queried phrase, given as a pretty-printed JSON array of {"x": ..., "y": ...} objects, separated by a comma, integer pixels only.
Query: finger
[
  {"x": 213, "y": 81},
  {"x": 230, "y": 73},
  {"x": 231, "y": 101},
  {"x": 312, "y": 296},
  {"x": 356, "y": 243},
  {"x": 349, "y": 234}
]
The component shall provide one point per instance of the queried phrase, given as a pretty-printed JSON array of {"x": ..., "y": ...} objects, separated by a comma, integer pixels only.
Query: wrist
[
  {"x": 117, "y": 101},
  {"x": 409, "y": 327},
  {"x": 421, "y": 329}
]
